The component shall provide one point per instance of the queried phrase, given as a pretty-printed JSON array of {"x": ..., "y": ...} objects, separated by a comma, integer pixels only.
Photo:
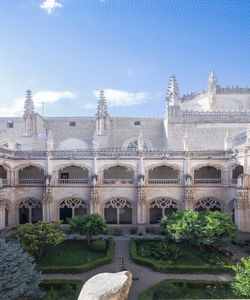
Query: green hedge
[
  {"x": 149, "y": 293},
  {"x": 179, "y": 269},
  {"x": 82, "y": 268}
]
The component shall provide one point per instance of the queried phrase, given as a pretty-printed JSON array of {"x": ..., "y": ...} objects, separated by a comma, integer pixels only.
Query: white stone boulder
[{"x": 107, "y": 286}]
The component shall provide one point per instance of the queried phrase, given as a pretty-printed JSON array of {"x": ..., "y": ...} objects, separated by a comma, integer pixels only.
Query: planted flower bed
[{"x": 170, "y": 257}]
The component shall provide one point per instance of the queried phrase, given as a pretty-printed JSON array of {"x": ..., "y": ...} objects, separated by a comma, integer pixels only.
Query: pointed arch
[
  {"x": 29, "y": 210},
  {"x": 208, "y": 203}
]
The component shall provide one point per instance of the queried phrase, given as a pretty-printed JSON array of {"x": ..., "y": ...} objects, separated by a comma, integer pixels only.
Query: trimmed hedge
[
  {"x": 149, "y": 293},
  {"x": 178, "y": 269},
  {"x": 82, "y": 268}
]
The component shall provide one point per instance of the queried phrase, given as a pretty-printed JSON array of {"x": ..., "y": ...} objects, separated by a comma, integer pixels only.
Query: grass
[
  {"x": 189, "y": 289},
  {"x": 69, "y": 253},
  {"x": 183, "y": 254}
]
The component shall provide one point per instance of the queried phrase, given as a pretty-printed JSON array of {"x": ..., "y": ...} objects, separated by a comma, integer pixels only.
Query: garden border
[
  {"x": 82, "y": 268},
  {"x": 179, "y": 269},
  {"x": 149, "y": 293}
]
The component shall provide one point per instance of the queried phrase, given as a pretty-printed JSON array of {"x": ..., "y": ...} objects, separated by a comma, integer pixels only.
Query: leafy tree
[
  {"x": 18, "y": 277},
  {"x": 202, "y": 229},
  {"x": 35, "y": 238},
  {"x": 88, "y": 225},
  {"x": 242, "y": 287}
]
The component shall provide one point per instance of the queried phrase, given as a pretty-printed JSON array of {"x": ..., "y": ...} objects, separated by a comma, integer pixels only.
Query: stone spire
[
  {"x": 212, "y": 84},
  {"x": 173, "y": 92},
  {"x": 102, "y": 105},
  {"x": 102, "y": 117},
  {"x": 28, "y": 105}
]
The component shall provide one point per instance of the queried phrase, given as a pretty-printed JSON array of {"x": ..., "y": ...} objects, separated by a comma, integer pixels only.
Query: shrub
[
  {"x": 88, "y": 225},
  {"x": 133, "y": 230},
  {"x": 98, "y": 245},
  {"x": 35, "y": 238},
  {"x": 118, "y": 232},
  {"x": 242, "y": 287},
  {"x": 18, "y": 277}
]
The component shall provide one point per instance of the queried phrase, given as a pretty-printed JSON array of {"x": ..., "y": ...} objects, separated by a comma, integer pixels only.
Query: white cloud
[
  {"x": 50, "y": 5},
  {"x": 130, "y": 71},
  {"x": 17, "y": 107},
  {"x": 123, "y": 98}
]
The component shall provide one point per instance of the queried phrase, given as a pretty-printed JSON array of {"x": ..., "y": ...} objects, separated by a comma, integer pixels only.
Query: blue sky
[{"x": 65, "y": 50}]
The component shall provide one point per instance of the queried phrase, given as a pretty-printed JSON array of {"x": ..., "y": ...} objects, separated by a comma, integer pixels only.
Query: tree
[
  {"x": 18, "y": 277},
  {"x": 88, "y": 225},
  {"x": 35, "y": 238},
  {"x": 242, "y": 287},
  {"x": 202, "y": 229}
]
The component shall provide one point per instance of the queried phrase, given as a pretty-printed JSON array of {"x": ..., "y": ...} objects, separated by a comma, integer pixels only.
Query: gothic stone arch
[
  {"x": 29, "y": 210},
  {"x": 208, "y": 203},
  {"x": 159, "y": 207},
  {"x": 119, "y": 211}
]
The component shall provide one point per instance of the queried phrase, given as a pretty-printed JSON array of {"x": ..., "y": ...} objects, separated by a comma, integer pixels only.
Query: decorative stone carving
[
  {"x": 189, "y": 195},
  {"x": 30, "y": 203},
  {"x": 94, "y": 196},
  {"x": 241, "y": 200},
  {"x": 118, "y": 203},
  {"x": 141, "y": 196},
  {"x": 208, "y": 204},
  {"x": 107, "y": 286},
  {"x": 163, "y": 203},
  {"x": 47, "y": 195},
  {"x": 73, "y": 203}
]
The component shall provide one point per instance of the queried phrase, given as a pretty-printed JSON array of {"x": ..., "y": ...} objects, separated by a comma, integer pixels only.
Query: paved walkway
[{"x": 147, "y": 277}]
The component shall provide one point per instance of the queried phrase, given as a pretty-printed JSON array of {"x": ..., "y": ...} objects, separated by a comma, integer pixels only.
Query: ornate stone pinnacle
[
  {"x": 173, "y": 92},
  {"x": 102, "y": 105},
  {"x": 28, "y": 105}
]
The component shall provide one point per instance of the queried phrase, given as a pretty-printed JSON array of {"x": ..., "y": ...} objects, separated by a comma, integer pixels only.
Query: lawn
[
  {"x": 168, "y": 253},
  {"x": 69, "y": 253},
  {"x": 189, "y": 289}
]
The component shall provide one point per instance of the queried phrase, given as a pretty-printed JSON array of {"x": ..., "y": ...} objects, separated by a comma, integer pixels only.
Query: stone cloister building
[{"x": 132, "y": 171}]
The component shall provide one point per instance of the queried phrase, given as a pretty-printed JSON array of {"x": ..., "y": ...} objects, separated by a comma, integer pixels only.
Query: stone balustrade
[
  {"x": 30, "y": 181},
  {"x": 163, "y": 181},
  {"x": 78, "y": 181},
  {"x": 207, "y": 181}
]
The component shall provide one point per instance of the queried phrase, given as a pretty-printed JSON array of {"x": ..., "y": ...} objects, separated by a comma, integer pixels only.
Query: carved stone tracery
[
  {"x": 141, "y": 197},
  {"x": 118, "y": 203},
  {"x": 208, "y": 204},
  {"x": 163, "y": 203},
  {"x": 30, "y": 203},
  {"x": 73, "y": 203},
  {"x": 94, "y": 196}
]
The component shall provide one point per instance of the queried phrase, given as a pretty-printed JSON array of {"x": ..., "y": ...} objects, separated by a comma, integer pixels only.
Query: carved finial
[
  {"x": 28, "y": 105},
  {"x": 173, "y": 95},
  {"x": 227, "y": 141},
  {"x": 102, "y": 105},
  {"x": 186, "y": 141},
  {"x": 212, "y": 83}
]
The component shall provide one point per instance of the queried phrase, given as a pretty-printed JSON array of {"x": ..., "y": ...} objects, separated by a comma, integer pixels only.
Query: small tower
[
  {"x": 212, "y": 84},
  {"x": 173, "y": 96},
  {"x": 102, "y": 116},
  {"x": 29, "y": 114}
]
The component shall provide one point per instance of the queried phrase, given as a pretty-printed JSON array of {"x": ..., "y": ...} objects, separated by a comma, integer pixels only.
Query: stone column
[
  {"x": 47, "y": 200},
  {"x": 141, "y": 211},
  {"x": 188, "y": 198}
]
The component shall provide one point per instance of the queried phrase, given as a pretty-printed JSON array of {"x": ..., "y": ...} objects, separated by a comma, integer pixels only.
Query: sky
[{"x": 67, "y": 50}]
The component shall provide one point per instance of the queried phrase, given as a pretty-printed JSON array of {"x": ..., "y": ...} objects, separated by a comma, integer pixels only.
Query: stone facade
[{"x": 130, "y": 170}]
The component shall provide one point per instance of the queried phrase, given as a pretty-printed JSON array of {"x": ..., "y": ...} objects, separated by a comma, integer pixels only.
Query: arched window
[
  {"x": 160, "y": 208},
  {"x": 73, "y": 175},
  {"x": 31, "y": 175},
  {"x": 118, "y": 175},
  {"x": 207, "y": 175},
  {"x": 3, "y": 172},
  {"x": 163, "y": 175},
  {"x": 72, "y": 207},
  {"x": 208, "y": 204},
  {"x": 118, "y": 211},
  {"x": 30, "y": 211}
]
